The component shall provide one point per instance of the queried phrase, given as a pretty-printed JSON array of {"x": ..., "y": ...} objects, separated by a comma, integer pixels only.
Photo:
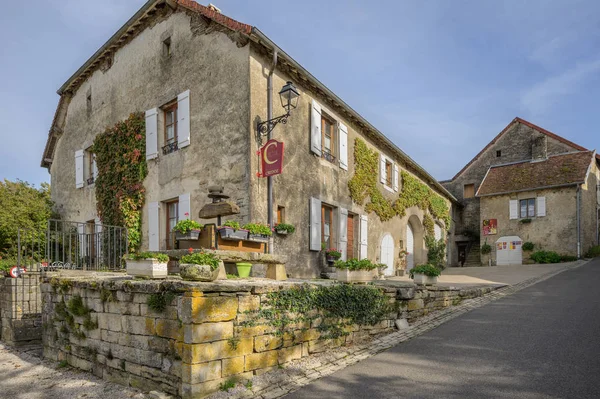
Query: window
[
  {"x": 388, "y": 172},
  {"x": 170, "y": 114},
  {"x": 527, "y": 208},
  {"x": 280, "y": 214},
  {"x": 326, "y": 225},
  {"x": 172, "y": 219},
  {"x": 498, "y": 153},
  {"x": 90, "y": 168},
  {"x": 167, "y": 47},
  {"x": 469, "y": 191},
  {"x": 88, "y": 101},
  {"x": 328, "y": 138}
]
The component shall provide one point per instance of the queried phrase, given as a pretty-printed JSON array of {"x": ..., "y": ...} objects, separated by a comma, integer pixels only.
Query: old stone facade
[{"x": 213, "y": 71}]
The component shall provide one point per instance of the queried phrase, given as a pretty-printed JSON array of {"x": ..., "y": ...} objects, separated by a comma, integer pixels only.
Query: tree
[{"x": 25, "y": 207}]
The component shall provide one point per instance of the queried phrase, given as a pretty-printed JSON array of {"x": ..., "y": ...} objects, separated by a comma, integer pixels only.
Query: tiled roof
[
  {"x": 216, "y": 16},
  {"x": 557, "y": 170},
  {"x": 526, "y": 123}
]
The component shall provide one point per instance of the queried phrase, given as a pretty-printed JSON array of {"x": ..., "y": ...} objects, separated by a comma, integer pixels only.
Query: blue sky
[{"x": 440, "y": 78}]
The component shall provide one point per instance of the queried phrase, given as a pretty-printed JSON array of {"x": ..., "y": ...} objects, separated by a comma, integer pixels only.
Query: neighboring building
[
  {"x": 527, "y": 174},
  {"x": 201, "y": 79}
]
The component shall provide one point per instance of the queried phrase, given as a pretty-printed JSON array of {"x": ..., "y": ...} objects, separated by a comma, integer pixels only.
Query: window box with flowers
[
  {"x": 357, "y": 271},
  {"x": 284, "y": 228},
  {"x": 147, "y": 264},
  {"x": 332, "y": 255},
  {"x": 231, "y": 231},
  {"x": 187, "y": 229},
  {"x": 258, "y": 232},
  {"x": 199, "y": 266}
]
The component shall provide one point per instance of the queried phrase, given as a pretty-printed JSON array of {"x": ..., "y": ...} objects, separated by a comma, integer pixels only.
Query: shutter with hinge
[
  {"x": 153, "y": 227},
  {"x": 315, "y": 224},
  {"x": 343, "y": 232},
  {"x": 184, "y": 208},
  {"x": 343, "y": 135},
  {"x": 79, "y": 169},
  {"x": 541, "y": 206},
  {"x": 315, "y": 129},
  {"x": 382, "y": 171},
  {"x": 514, "y": 209},
  {"x": 152, "y": 133},
  {"x": 364, "y": 231},
  {"x": 183, "y": 119},
  {"x": 396, "y": 177}
]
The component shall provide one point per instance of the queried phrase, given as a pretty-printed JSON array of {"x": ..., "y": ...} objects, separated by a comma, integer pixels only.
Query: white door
[
  {"x": 508, "y": 251},
  {"x": 387, "y": 254},
  {"x": 437, "y": 232},
  {"x": 410, "y": 248}
]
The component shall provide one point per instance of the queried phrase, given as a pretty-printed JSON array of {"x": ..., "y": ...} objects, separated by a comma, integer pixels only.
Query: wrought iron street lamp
[{"x": 289, "y": 100}]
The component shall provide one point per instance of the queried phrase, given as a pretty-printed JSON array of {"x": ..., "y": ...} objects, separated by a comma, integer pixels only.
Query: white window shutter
[
  {"x": 82, "y": 240},
  {"x": 94, "y": 166},
  {"x": 395, "y": 180},
  {"x": 437, "y": 232},
  {"x": 79, "y": 169},
  {"x": 343, "y": 135},
  {"x": 382, "y": 171},
  {"x": 315, "y": 129},
  {"x": 184, "y": 207},
  {"x": 183, "y": 119},
  {"x": 541, "y": 206},
  {"x": 152, "y": 133},
  {"x": 514, "y": 209},
  {"x": 315, "y": 224},
  {"x": 364, "y": 232},
  {"x": 343, "y": 232},
  {"x": 153, "y": 227},
  {"x": 98, "y": 238}
]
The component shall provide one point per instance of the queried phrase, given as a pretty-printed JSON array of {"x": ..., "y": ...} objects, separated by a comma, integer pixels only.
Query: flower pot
[
  {"x": 258, "y": 237},
  {"x": 228, "y": 233},
  {"x": 151, "y": 268},
  {"x": 425, "y": 280},
  {"x": 191, "y": 235},
  {"x": 282, "y": 232},
  {"x": 193, "y": 272},
  {"x": 331, "y": 258},
  {"x": 243, "y": 269},
  {"x": 356, "y": 276}
]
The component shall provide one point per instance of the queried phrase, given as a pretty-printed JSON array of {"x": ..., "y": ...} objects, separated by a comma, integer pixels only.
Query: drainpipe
[
  {"x": 579, "y": 221},
  {"x": 269, "y": 117}
]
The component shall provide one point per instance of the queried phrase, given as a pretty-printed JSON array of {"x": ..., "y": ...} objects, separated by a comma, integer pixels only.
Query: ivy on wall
[
  {"x": 121, "y": 161},
  {"x": 363, "y": 185}
]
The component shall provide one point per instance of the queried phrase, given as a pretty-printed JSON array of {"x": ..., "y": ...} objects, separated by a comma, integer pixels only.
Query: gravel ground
[{"x": 23, "y": 375}]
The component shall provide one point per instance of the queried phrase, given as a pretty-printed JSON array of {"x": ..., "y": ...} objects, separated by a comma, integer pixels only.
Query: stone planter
[
  {"x": 193, "y": 235},
  {"x": 151, "y": 268},
  {"x": 193, "y": 272},
  {"x": 425, "y": 280},
  {"x": 356, "y": 276},
  {"x": 227, "y": 233},
  {"x": 258, "y": 237},
  {"x": 281, "y": 232},
  {"x": 331, "y": 259}
]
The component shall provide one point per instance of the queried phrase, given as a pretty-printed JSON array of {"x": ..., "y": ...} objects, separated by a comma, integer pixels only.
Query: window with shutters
[
  {"x": 328, "y": 143},
  {"x": 170, "y": 126},
  {"x": 326, "y": 226},
  {"x": 172, "y": 217},
  {"x": 527, "y": 208},
  {"x": 90, "y": 169},
  {"x": 469, "y": 191},
  {"x": 389, "y": 171}
]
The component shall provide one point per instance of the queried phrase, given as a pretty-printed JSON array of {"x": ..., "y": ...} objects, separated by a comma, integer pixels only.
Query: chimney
[
  {"x": 214, "y": 8},
  {"x": 539, "y": 148}
]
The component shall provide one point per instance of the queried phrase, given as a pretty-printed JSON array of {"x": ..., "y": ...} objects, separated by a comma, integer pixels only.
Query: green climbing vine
[
  {"x": 121, "y": 160},
  {"x": 363, "y": 185}
]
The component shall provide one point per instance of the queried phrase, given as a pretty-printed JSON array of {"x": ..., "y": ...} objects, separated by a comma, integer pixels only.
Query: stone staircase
[{"x": 474, "y": 256}]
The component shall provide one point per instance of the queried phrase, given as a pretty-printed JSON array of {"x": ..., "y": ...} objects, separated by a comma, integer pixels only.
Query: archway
[
  {"x": 415, "y": 244},
  {"x": 387, "y": 254}
]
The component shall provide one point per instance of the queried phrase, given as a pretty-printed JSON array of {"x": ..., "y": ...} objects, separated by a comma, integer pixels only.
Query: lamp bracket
[{"x": 266, "y": 127}]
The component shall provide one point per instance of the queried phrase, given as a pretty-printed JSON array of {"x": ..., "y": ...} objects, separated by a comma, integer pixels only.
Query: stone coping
[{"x": 232, "y": 256}]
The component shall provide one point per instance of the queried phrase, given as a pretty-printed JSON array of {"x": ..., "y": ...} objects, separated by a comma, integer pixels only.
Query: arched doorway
[
  {"x": 387, "y": 254},
  {"x": 410, "y": 248},
  {"x": 437, "y": 232}
]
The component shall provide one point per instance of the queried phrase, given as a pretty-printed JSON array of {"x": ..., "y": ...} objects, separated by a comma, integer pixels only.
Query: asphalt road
[{"x": 542, "y": 342}]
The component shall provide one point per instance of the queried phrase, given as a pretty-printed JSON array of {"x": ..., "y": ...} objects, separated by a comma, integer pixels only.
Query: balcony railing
[
  {"x": 328, "y": 156},
  {"x": 169, "y": 148},
  {"x": 90, "y": 181}
]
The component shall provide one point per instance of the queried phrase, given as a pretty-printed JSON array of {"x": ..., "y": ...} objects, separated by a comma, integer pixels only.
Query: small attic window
[
  {"x": 498, "y": 153},
  {"x": 167, "y": 47},
  {"x": 88, "y": 101}
]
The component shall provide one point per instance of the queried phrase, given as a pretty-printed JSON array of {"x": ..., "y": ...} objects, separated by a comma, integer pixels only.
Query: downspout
[
  {"x": 579, "y": 221},
  {"x": 269, "y": 117}
]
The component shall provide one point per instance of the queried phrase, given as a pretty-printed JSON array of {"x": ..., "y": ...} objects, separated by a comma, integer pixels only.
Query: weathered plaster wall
[
  {"x": 557, "y": 231},
  {"x": 590, "y": 205},
  {"x": 306, "y": 175},
  {"x": 205, "y": 61}
]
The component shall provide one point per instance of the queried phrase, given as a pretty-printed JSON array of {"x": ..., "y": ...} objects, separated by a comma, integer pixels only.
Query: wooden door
[{"x": 350, "y": 234}]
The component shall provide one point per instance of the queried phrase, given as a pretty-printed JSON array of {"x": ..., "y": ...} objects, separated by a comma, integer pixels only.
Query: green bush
[
  {"x": 187, "y": 225},
  {"x": 545, "y": 257},
  {"x": 428, "y": 270},
  {"x": 593, "y": 252},
  {"x": 6, "y": 265},
  {"x": 289, "y": 228},
  {"x": 436, "y": 254},
  {"x": 528, "y": 246},
  {"x": 147, "y": 255},
  {"x": 201, "y": 258},
  {"x": 355, "y": 264},
  {"x": 486, "y": 249},
  {"x": 260, "y": 229}
]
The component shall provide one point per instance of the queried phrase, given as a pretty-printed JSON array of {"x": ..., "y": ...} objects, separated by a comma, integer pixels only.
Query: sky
[{"x": 439, "y": 78}]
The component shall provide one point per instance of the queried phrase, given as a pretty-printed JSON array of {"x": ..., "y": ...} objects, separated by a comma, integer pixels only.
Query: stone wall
[
  {"x": 20, "y": 310},
  {"x": 199, "y": 340}
]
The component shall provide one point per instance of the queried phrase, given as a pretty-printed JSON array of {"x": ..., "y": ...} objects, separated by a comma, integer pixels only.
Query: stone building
[
  {"x": 201, "y": 79},
  {"x": 527, "y": 166}
]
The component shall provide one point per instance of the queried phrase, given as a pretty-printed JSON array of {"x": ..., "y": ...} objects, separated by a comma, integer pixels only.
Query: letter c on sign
[{"x": 266, "y": 151}]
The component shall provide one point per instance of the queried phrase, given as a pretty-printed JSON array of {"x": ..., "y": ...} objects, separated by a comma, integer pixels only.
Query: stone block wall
[
  {"x": 199, "y": 341},
  {"x": 20, "y": 310}
]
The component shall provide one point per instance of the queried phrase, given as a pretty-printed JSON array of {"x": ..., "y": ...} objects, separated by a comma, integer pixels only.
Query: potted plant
[
  {"x": 354, "y": 270},
  {"x": 402, "y": 260},
  {"x": 187, "y": 229},
  {"x": 147, "y": 264},
  {"x": 199, "y": 266},
  {"x": 231, "y": 231},
  {"x": 243, "y": 269},
  {"x": 425, "y": 274},
  {"x": 332, "y": 254},
  {"x": 284, "y": 228},
  {"x": 258, "y": 232}
]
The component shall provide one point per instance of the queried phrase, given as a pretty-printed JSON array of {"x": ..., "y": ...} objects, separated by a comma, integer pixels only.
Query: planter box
[
  {"x": 192, "y": 235},
  {"x": 281, "y": 232},
  {"x": 227, "y": 233},
  {"x": 356, "y": 276},
  {"x": 258, "y": 237},
  {"x": 192, "y": 272},
  {"x": 150, "y": 268},
  {"x": 425, "y": 280}
]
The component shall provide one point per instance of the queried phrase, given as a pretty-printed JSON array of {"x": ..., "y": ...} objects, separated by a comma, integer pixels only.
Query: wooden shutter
[
  {"x": 395, "y": 179},
  {"x": 152, "y": 133},
  {"x": 183, "y": 119},
  {"x": 153, "y": 227},
  {"x": 364, "y": 231},
  {"x": 343, "y": 135},
  {"x": 514, "y": 209},
  {"x": 79, "y": 169},
  {"x": 315, "y": 224},
  {"x": 343, "y": 232},
  {"x": 184, "y": 207},
  {"x": 541, "y": 206},
  {"x": 382, "y": 171},
  {"x": 315, "y": 129}
]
